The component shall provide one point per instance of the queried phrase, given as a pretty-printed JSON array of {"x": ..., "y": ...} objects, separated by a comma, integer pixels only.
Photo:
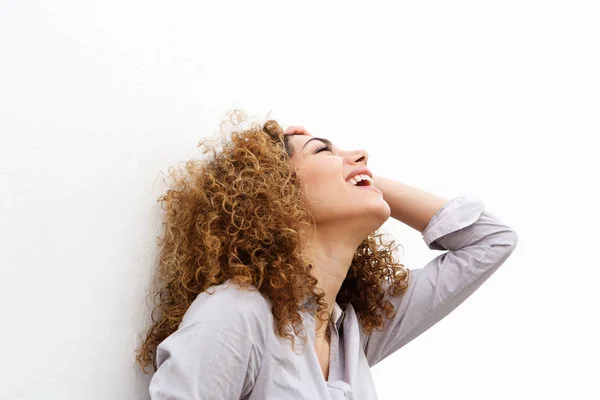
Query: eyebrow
[{"x": 327, "y": 142}]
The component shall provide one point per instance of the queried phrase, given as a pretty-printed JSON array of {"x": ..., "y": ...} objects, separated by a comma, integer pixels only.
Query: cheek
[
  {"x": 326, "y": 186},
  {"x": 323, "y": 179}
]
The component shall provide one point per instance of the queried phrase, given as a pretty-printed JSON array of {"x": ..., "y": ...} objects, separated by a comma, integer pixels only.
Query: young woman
[{"x": 273, "y": 282}]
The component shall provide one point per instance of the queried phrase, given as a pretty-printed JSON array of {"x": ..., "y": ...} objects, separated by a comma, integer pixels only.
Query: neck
[{"x": 331, "y": 251}]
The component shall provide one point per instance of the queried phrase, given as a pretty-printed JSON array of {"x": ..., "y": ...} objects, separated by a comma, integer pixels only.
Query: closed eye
[{"x": 323, "y": 149}]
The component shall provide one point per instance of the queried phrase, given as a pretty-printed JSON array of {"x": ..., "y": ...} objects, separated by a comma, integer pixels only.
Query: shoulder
[
  {"x": 226, "y": 323},
  {"x": 230, "y": 302}
]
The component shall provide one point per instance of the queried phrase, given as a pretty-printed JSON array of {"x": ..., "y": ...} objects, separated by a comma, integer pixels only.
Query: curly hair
[{"x": 239, "y": 215}]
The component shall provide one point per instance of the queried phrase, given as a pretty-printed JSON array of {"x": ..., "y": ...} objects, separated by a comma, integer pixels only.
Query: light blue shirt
[{"x": 226, "y": 346}]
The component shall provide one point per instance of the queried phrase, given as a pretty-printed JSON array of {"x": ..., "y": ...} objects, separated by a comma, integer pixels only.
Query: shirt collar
[{"x": 337, "y": 314}]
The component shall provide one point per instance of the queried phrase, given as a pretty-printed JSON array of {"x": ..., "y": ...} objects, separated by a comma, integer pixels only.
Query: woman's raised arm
[{"x": 478, "y": 243}]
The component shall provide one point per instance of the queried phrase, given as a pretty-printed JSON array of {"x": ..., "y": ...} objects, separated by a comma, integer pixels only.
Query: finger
[
  {"x": 293, "y": 130},
  {"x": 296, "y": 130}
]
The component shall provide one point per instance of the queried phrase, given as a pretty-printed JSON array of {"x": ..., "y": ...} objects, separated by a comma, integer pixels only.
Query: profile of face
[{"x": 332, "y": 198}]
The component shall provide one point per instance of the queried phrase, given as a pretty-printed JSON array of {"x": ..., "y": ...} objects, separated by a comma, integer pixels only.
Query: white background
[{"x": 499, "y": 99}]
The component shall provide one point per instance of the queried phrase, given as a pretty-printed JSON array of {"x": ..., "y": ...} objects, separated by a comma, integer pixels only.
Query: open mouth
[
  {"x": 363, "y": 183},
  {"x": 361, "y": 180}
]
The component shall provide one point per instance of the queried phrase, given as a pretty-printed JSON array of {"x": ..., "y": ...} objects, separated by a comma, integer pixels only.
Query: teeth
[{"x": 357, "y": 178}]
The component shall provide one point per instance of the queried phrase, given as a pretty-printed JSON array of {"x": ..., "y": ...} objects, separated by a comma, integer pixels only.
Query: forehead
[
  {"x": 297, "y": 141},
  {"x": 300, "y": 140}
]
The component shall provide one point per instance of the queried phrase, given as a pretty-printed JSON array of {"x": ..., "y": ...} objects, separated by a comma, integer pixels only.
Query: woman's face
[{"x": 332, "y": 197}]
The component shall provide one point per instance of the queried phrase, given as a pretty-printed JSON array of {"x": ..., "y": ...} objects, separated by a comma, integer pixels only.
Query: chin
[
  {"x": 386, "y": 212},
  {"x": 385, "y": 216},
  {"x": 380, "y": 216},
  {"x": 385, "y": 209}
]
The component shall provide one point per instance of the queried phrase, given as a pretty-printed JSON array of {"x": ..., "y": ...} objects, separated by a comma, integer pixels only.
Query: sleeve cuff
[{"x": 445, "y": 229}]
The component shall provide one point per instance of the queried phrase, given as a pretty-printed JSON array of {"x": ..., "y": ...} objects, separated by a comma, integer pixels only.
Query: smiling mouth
[
  {"x": 362, "y": 184},
  {"x": 361, "y": 180}
]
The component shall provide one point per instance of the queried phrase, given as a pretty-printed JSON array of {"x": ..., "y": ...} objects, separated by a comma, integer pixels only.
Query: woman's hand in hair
[{"x": 296, "y": 130}]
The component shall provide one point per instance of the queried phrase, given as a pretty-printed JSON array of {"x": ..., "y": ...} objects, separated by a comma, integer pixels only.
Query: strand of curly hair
[{"x": 238, "y": 214}]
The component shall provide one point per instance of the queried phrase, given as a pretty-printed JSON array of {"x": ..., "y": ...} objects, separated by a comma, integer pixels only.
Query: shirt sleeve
[
  {"x": 477, "y": 243},
  {"x": 216, "y": 353}
]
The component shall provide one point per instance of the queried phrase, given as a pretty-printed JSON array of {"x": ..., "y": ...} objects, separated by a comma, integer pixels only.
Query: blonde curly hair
[{"x": 239, "y": 215}]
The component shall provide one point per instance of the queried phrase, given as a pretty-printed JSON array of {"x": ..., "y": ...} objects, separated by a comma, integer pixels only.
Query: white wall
[{"x": 495, "y": 98}]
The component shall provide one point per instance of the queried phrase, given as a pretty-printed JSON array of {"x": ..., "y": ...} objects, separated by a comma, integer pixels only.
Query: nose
[{"x": 358, "y": 156}]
